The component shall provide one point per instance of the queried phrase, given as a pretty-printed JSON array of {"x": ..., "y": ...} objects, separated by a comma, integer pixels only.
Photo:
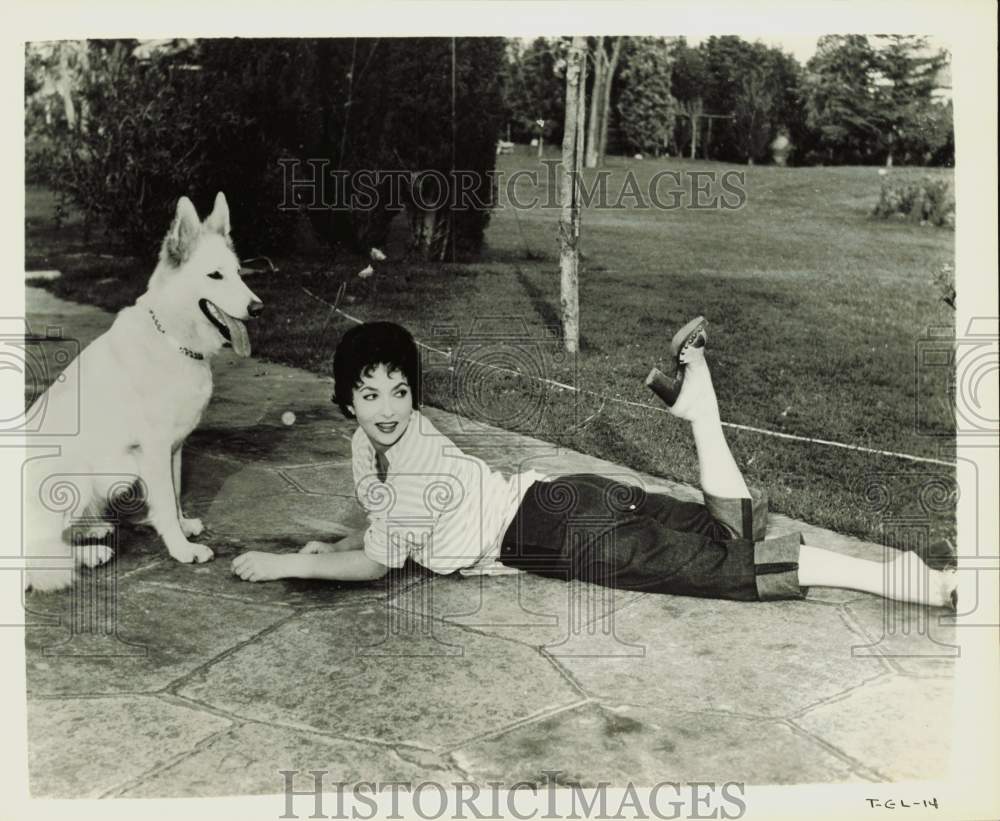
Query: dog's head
[{"x": 199, "y": 268}]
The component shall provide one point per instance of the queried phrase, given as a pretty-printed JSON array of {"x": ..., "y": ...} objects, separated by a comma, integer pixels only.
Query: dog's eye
[{"x": 215, "y": 275}]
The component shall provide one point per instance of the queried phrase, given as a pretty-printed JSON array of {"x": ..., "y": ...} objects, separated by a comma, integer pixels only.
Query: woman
[{"x": 428, "y": 501}]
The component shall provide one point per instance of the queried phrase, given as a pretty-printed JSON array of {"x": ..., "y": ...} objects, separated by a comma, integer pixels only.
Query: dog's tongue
[{"x": 237, "y": 335}]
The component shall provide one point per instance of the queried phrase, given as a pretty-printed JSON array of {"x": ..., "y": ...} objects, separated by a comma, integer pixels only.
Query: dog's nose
[{"x": 255, "y": 308}]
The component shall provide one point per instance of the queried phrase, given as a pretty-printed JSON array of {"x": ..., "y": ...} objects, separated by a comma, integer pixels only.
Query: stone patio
[{"x": 190, "y": 682}]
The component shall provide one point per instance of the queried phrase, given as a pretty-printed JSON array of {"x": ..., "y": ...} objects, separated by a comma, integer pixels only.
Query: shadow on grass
[{"x": 548, "y": 312}]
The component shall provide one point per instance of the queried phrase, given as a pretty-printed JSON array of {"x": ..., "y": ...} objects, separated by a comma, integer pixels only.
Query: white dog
[{"x": 140, "y": 389}]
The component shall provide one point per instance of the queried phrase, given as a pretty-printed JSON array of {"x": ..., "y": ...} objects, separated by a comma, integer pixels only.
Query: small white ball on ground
[{"x": 288, "y": 418}]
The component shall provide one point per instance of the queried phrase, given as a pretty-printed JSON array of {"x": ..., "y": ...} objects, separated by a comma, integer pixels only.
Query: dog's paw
[
  {"x": 101, "y": 531},
  {"x": 191, "y": 527},
  {"x": 45, "y": 581},
  {"x": 191, "y": 553},
  {"x": 94, "y": 555}
]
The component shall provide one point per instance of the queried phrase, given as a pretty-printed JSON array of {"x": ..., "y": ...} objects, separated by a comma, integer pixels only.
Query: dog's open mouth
[{"x": 233, "y": 330}]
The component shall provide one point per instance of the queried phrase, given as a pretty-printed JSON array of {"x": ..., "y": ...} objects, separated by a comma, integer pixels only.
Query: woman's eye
[{"x": 215, "y": 275}]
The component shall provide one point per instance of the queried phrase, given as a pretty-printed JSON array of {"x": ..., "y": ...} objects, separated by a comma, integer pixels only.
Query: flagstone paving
[{"x": 152, "y": 678}]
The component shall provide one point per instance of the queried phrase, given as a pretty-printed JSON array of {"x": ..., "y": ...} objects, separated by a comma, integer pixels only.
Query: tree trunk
[
  {"x": 596, "y": 105},
  {"x": 429, "y": 232},
  {"x": 64, "y": 85},
  {"x": 609, "y": 76},
  {"x": 693, "y": 109},
  {"x": 569, "y": 222}
]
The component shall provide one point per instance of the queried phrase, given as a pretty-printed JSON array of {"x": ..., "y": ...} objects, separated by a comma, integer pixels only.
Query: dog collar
[{"x": 182, "y": 348}]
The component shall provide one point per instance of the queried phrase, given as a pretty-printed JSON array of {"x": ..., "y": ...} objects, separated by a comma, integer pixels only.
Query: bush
[
  {"x": 927, "y": 201},
  {"x": 944, "y": 284},
  {"x": 400, "y": 117},
  {"x": 217, "y": 115},
  {"x": 150, "y": 130}
]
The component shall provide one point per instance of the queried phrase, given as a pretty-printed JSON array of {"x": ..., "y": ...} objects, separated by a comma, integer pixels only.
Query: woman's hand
[{"x": 258, "y": 566}]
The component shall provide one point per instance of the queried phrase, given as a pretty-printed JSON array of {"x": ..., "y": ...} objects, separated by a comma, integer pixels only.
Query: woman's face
[{"x": 383, "y": 404}]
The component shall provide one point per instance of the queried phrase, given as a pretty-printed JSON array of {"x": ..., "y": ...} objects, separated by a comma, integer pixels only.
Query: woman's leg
[
  {"x": 904, "y": 577},
  {"x": 720, "y": 476}
]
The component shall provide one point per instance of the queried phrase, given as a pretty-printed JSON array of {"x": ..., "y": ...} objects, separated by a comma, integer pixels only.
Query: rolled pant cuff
[
  {"x": 743, "y": 518},
  {"x": 777, "y": 568}
]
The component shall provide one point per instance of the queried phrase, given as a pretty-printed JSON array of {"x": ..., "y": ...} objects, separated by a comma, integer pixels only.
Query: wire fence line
[{"x": 656, "y": 409}]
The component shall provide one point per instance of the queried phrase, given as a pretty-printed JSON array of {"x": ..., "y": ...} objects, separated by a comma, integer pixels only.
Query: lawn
[{"x": 817, "y": 316}]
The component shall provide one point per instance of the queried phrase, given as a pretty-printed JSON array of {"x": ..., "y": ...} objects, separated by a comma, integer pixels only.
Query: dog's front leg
[
  {"x": 162, "y": 502},
  {"x": 189, "y": 527}
]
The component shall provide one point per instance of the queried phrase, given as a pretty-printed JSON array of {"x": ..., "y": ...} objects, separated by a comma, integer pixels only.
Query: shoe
[
  {"x": 938, "y": 556},
  {"x": 691, "y": 335},
  {"x": 688, "y": 339}
]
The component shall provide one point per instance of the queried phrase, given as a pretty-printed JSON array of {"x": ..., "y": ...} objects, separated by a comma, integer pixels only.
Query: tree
[
  {"x": 646, "y": 108},
  {"x": 751, "y": 92},
  {"x": 687, "y": 86},
  {"x": 569, "y": 222},
  {"x": 872, "y": 99},
  {"x": 602, "y": 132},
  {"x": 754, "y": 107},
  {"x": 767, "y": 102},
  {"x": 839, "y": 101},
  {"x": 787, "y": 78},
  {"x": 605, "y": 66},
  {"x": 539, "y": 93},
  {"x": 907, "y": 73},
  {"x": 687, "y": 75},
  {"x": 590, "y": 160},
  {"x": 692, "y": 111},
  {"x": 726, "y": 61}
]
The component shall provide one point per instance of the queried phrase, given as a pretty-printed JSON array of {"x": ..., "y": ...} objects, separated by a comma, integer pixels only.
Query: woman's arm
[
  {"x": 346, "y": 565},
  {"x": 352, "y": 541}
]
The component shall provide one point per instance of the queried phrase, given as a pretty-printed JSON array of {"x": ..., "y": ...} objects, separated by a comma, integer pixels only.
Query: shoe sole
[{"x": 687, "y": 335}]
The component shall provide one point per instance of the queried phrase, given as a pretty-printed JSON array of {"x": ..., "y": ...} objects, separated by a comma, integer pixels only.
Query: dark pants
[{"x": 614, "y": 534}]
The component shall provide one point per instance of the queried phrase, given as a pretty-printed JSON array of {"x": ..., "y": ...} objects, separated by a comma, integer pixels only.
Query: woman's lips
[{"x": 386, "y": 427}]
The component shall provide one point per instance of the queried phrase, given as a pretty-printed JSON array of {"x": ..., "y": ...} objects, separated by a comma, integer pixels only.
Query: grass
[{"x": 817, "y": 313}]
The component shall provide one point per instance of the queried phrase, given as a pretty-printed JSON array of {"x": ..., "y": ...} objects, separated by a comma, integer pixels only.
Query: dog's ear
[
  {"x": 179, "y": 241},
  {"x": 218, "y": 220}
]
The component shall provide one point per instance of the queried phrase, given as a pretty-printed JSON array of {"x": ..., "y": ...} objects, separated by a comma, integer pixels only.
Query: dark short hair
[{"x": 362, "y": 349}]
